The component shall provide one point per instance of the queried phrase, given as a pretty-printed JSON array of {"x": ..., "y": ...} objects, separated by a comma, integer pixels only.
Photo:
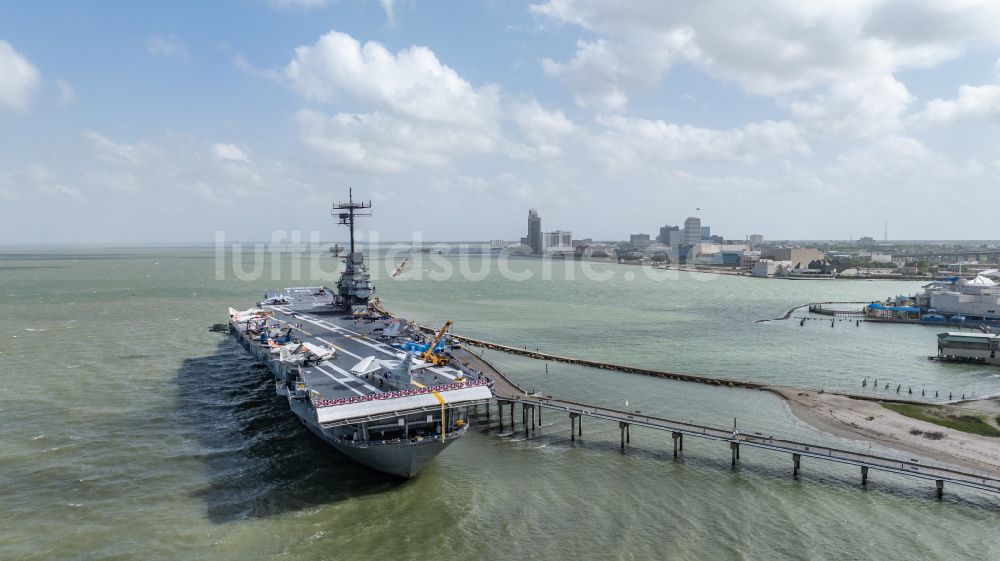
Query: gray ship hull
[{"x": 400, "y": 459}]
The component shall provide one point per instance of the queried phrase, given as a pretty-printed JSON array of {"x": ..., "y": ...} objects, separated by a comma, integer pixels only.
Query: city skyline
[{"x": 812, "y": 121}]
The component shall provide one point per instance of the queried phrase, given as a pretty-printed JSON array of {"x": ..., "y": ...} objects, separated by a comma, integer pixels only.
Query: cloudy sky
[{"x": 128, "y": 122}]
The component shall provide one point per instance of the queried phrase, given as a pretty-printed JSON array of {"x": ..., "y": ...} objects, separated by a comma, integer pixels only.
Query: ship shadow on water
[{"x": 260, "y": 460}]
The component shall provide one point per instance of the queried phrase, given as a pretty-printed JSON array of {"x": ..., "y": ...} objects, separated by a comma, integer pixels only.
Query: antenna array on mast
[{"x": 347, "y": 212}]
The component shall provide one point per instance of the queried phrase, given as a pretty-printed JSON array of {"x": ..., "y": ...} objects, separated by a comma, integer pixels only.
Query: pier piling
[
  {"x": 678, "y": 442},
  {"x": 735, "y": 448},
  {"x": 796, "y": 460},
  {"x": 939, "y": 483},
  {"x": 572, "y": 426},
  {"x": 864, "y": 475},
  {"x": 622, "y": 427}
]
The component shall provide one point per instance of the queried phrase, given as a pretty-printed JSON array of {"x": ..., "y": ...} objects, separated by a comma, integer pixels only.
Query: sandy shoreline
[{"x": 868, "y": 421}]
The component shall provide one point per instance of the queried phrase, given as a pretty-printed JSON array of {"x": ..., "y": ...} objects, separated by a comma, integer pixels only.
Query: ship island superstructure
[{"x": 356, "y": 377}]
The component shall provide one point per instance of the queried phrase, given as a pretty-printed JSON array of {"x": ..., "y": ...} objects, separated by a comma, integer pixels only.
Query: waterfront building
[
  {"x": 749, "y": 259},
  {"x": 664, "y": 237},
  {"x": 969, "y": 347},
  {"x": 692, "y": 230},
  {"x": 708, "y": 253},
  {"x": 799, "y": 257},
  {"x": 977, "y": 299},
  {"x": 640, "y": 240},
  {"x": 534, "y": 231},
  {"x": 951, "y": 301},
  {"x": 732, "y": 256},
  {"x": 557, "y": 242},
  {"x": 756, "y": 239},
  {"x": 706, "y": 232},
  {"x": 599, "y": 251},
  {"x": 769, "y": 267}
]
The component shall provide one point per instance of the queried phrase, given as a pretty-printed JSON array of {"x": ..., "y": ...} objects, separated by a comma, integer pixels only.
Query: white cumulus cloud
[
  {"x": 230, "y": 153},
  {"x": 855, "y": 108},
  {"x": 833, "y": 63},
  {"x": 379, "y": 142},
  {"x": 972, "y": 103},
  {"x": 18, "y": 78},
  {"x": 603, "y": 73},
  {"x": 416, "y": 111},
  {"x": 542, "y": 130},
  {"x": 633, "y": 142},
  {"x": 412, "y": 82}
]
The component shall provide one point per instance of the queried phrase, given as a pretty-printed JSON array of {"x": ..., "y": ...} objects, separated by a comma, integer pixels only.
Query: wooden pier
[
  {"x": 508, "y": 396},
  {"x": 821, "y": 310}
]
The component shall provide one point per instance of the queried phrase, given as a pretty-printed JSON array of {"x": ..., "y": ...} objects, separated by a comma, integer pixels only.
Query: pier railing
[{"x": 824, "y": 311}]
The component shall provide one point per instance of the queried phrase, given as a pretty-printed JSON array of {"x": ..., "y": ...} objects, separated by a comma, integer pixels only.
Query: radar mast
[{"x": 353, "y": 211}]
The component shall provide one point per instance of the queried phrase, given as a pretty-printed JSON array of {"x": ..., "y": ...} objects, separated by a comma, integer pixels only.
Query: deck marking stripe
[
  {"x": 334, "y": 378},
  {"x": 354, "y": 378}
]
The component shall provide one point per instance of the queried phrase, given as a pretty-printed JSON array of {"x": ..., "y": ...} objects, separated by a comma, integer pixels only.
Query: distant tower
[
  {"x": 534, "y": 231},
  {"x": 886, "y": 238},
  {"x": 692, "y": 230}
]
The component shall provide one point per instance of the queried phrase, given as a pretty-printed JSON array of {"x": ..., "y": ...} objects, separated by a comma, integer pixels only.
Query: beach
[{"x": 847, "y": 417}]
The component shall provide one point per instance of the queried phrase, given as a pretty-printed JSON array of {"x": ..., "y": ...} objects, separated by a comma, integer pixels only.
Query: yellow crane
[{"x": 429, "y": 356}]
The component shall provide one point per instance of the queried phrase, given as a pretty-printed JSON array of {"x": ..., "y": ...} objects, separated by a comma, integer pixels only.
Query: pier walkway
[
  {"x": 821, "y": 310},
  {"x": 508, "y": 394}
]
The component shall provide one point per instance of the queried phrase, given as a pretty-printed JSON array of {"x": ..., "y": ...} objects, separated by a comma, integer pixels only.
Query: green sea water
[{"x": 128, "y": 431}]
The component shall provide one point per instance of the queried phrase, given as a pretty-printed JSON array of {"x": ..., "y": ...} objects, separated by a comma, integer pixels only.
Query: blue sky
[{"x": 130, "y": 122}]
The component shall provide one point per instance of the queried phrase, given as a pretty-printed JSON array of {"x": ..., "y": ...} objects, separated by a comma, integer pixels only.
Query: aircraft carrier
[{"x": 373, "y": 386}]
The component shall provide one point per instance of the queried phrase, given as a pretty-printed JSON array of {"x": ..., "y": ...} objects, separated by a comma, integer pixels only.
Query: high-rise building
[
  {"x": 756, "y": 239},
  {"x": 664, "y": 237},
  {"x": 692, "y": 230},
  {"x": 534, "y": 231},
  {"x": 706, "y": 232}
]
